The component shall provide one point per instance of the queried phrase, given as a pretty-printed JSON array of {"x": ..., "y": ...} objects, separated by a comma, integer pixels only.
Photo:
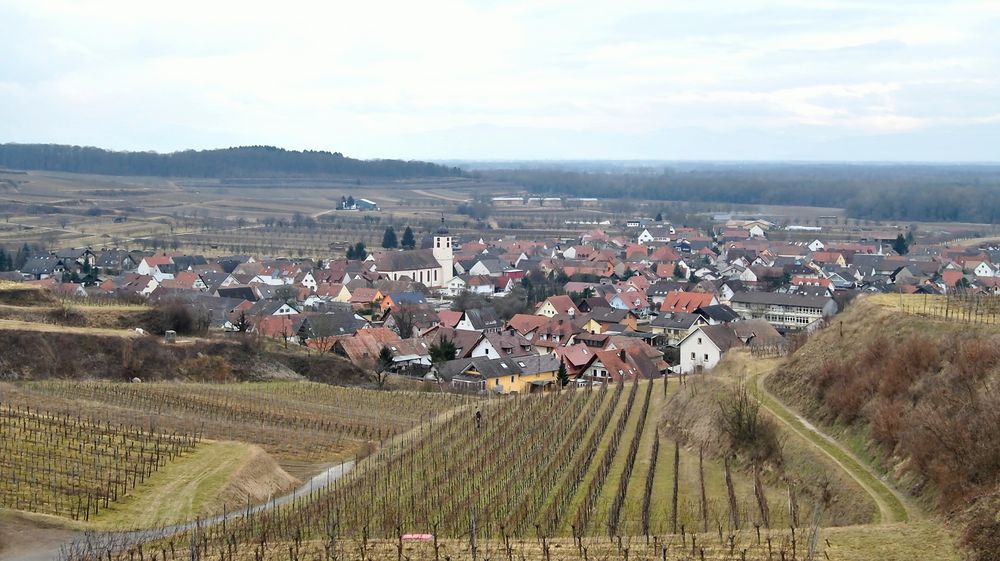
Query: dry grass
[
  {"x": 18, "y": 325},
  {"x": 198, "y": 484}
]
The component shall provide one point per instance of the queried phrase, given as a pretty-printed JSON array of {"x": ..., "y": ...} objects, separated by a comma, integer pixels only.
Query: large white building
[{"x": 432, "y": 267}]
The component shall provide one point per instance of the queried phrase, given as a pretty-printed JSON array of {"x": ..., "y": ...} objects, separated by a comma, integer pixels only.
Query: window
[
  {"x": 699, "y": 340},
  {"x": 511, "y": 379},
  {"x": 706, "y": 357},
  {"x": 692, "y": 356}
]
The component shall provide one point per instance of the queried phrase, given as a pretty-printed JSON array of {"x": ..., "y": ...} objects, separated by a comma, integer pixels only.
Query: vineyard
[
  {"x": 980, "y": 309},
  {"x": 587, "y": 466},
  {"x": 301, "y": 424},
  {"x": 66, "y": 465}
]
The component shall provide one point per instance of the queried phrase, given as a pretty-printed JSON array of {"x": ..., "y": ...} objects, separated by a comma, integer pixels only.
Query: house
[
  {"x": 674, "y": 326},
  {"x": 510, "y": 375},
  {"x": 484, "y": 320},
  {"x": 320, "y": 331},
  {"x": 687, "y": 301},
  {"x": 617, "y": 365},
  {"x": 577, "y": 358},
  {"x": 364, "y": 347},
  {"x": 396, "y": 299},
  {"x": 149, "y": 264},
  {"x": 264, "y": 308},
  {"x": 786, "y": 312},
  {"x": 43, "y": 267},
  {"x": 508, "y": 344},
  {"x": 557, "y": 305},
  {"x": 720, "y": 313},
  {"x": 609, "y": 319},
  {"x": 456, "y": 285},
  {"x": 704, "y": 347}
]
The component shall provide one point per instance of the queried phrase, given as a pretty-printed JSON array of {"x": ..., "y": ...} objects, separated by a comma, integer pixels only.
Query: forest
[
  {"x": 933, "y": 193},
  {"x": 243, "y": 161}
]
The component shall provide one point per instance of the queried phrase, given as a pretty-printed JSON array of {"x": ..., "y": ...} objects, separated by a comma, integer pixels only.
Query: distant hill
[{"x": 242, "y": 161}]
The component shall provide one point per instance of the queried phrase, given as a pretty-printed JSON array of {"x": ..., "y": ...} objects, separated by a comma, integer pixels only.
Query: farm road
[
  {"x": 55, "y": 550},
  {"x": 892, "y": 505}
]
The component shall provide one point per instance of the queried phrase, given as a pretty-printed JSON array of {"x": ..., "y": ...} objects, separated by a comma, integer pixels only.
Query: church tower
[{"x": 443, "y": 253}]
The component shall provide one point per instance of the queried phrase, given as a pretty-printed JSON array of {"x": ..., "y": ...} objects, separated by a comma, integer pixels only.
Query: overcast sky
[{"x": 869, "y": 80}]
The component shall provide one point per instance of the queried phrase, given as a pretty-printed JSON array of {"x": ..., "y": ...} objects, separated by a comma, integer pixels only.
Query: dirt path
[
  {"x": 51, "y": 545},
  {"x": 439, "y": 196},
  {"x": 892, "y": 505}
]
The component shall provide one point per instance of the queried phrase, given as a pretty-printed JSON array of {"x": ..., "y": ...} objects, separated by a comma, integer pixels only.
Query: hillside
[
  {"x": 243, "y": 161},
  {"x": 917, "y": 396}
]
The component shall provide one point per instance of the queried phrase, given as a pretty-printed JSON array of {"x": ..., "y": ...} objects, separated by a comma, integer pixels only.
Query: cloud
[{"x": 364, "y": 77}]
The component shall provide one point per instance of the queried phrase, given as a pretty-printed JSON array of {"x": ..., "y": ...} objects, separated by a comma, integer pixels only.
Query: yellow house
[
  {"x": 557, "y": 305},
  {"x": 593, "y": 326},
  {"x": 511, "y": 375}
]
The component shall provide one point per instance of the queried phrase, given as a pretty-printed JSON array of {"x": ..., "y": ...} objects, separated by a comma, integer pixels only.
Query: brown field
[{"x": 215, "y": 217}]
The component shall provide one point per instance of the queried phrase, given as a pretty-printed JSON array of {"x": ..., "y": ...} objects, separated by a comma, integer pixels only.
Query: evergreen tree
[
  {"x": 900, "y": 246},
  {"x": 409, "y": 242},
  {"x": 561, "y": 375},
  {"x": 22, "y": 257},
  {"x": 357, "y": 251},
  {"x": 350, "y": 201},
  {"x": 443, "y": 351},
  {"x": 4, "y": 260},
  {"x": 389, "y": 240},
  {"x": 678, "y": 271},
  {"x": 659, "y": 217}
]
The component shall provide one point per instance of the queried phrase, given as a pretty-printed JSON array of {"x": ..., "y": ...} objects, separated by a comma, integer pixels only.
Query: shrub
[
  {"x": 748, "y": 432},
  {"x": 177, "y": 317},
  {"x": 205, "y": 368}
]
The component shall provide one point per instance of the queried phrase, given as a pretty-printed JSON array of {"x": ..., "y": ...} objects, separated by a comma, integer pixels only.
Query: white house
[
  {"x": 455, "y": 286},
  {"x": 704, "y": 346},
  {"x": 985, "y": 269},
  {"x": 816, "y": 245}
]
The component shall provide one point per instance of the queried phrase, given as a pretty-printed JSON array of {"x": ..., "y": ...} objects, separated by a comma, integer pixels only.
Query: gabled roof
[
  {"x": 723, "y": 336},
  {"x": 719, "y": 313},
  {"x": 484, "y": 318},
  {"x": 495, "y": 368},
  {"x": 394, "y": 261},
  {"x": 675, "y": 320},
  {"x": 779, "y": 299},
  {"x": 685, "y": 301},
  {"x": 562, "y": 304}
]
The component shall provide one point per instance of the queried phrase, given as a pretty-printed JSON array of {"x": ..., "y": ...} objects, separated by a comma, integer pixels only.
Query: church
[{"x": 432, "y": 267}]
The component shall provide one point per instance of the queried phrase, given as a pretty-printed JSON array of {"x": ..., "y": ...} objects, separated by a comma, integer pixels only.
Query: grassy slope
[
  {"x": 631, "y": 515},
  {"x": 591, "y": 472},
  {"x": 190, "y": 486},
  {"x": 865, "y": 320},
  {"x": 599, "y": 521}
]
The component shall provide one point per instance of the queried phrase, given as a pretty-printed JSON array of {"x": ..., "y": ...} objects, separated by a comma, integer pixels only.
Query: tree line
[
  {"x": 242, "y": 161},
  {"x": 946, "y": 193}
]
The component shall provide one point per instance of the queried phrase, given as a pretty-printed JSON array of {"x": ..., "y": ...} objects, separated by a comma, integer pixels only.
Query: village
[{"x": 637, "y": 301}]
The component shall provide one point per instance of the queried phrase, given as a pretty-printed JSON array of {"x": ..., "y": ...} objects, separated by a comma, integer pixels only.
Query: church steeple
[{"x": 443, "y": 253}]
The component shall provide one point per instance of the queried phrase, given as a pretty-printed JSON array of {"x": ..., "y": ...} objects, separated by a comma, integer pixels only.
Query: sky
[{"x": 711, "y": 80}]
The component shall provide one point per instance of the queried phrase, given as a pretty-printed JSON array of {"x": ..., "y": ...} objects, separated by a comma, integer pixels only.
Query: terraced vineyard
[
  {"x": 74, "y": 467},
  {"x": 584, "y": 464},
  {"x": 302, "y": 424}
]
